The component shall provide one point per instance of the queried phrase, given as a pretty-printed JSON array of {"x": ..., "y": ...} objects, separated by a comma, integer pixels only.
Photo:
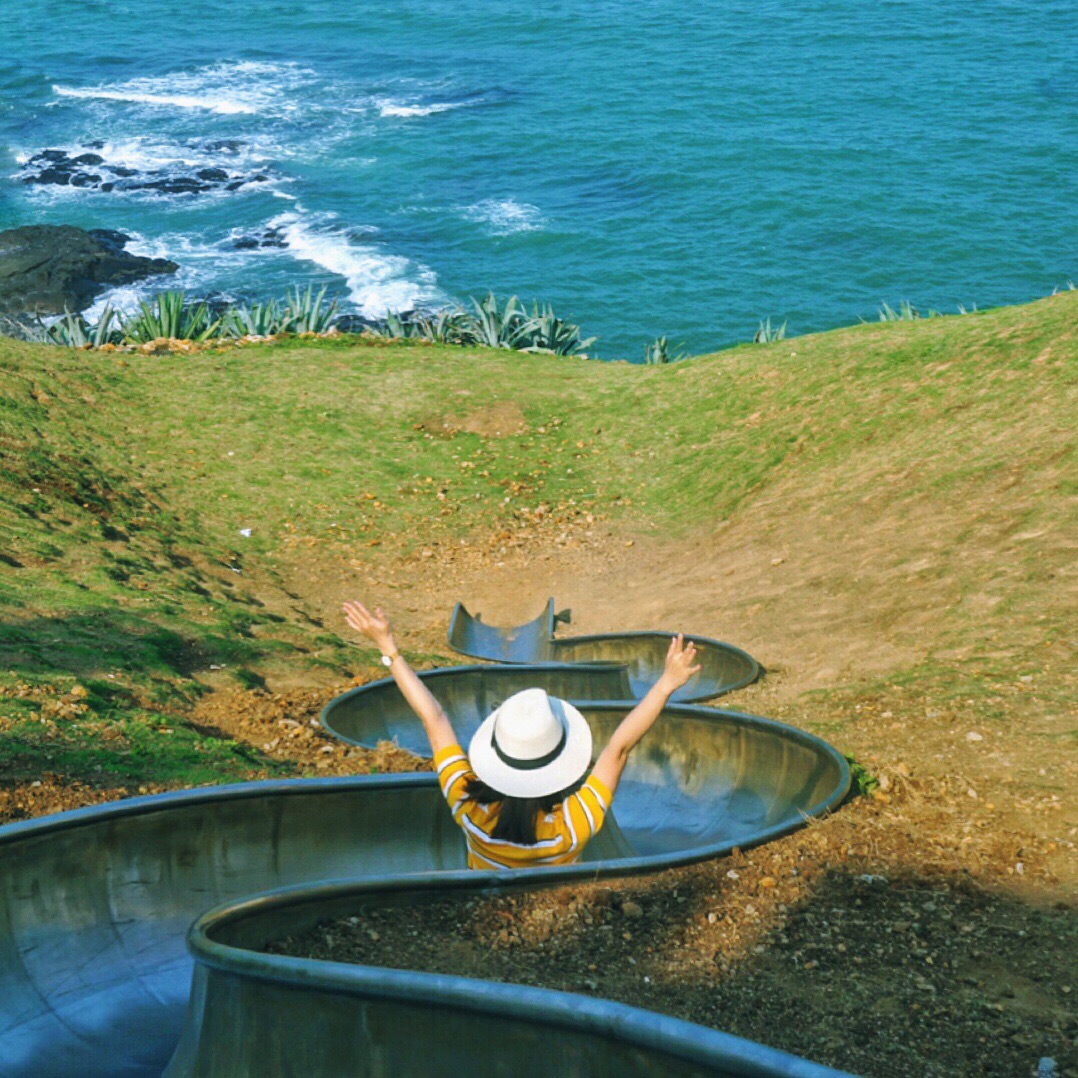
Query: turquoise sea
[{"x": 650, "y": 167}]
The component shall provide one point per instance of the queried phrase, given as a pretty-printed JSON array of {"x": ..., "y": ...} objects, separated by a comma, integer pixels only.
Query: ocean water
[{"x": 650, "y": 168}]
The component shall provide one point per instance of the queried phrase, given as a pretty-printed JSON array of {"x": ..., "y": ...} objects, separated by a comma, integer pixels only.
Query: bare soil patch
[
  {"x": 285, "y": 726},
  {"x": 57, "y": 793}
]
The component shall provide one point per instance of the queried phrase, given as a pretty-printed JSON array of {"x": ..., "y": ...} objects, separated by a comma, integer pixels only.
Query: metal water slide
[
  {"x": 639, "y": 654},
  {"x": 132, "y": 933}
]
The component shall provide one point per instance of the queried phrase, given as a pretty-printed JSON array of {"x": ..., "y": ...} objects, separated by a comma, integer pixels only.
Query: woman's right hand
[
  {"x": 679, "y": 667},
  {"x": 374, "y": 626}
]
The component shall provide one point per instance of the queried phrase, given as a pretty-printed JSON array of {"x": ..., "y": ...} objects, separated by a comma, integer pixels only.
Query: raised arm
[
  {"x": 679, "y": 668},
  {"x": 377, "y": 629}
]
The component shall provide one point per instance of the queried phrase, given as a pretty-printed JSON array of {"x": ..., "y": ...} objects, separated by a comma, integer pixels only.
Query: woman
[{"x": 522, "y": 794}]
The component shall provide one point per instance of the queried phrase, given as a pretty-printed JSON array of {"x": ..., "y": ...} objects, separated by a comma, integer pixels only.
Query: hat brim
[{"x": 569, "y": 767}]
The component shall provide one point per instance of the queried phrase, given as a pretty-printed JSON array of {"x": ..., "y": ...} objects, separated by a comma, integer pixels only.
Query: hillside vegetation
[{"x": 127, "y": 481}]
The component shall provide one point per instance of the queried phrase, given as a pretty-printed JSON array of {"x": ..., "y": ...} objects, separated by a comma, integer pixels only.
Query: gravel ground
[{"x": 826, "y": 944}]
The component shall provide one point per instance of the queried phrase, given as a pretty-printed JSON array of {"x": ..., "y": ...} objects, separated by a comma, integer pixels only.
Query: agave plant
[
  {"x": 546, "y": 332},
  {"x": 498, "y": 327},
  {"x": 766, "y": 334},
  {"x": 658, "y": 353},
  {"x": 308, "y": 312},
  {"x": 264, "y": 319},
  {"x": 73, "y": 331},
  {"x": 173, "y": 316},
  {"x": 906, "y": 312},
  {"x": 406, "y": 326},
  {"x": 24, "y": 328},
  {"x": 450, "y": 325}
]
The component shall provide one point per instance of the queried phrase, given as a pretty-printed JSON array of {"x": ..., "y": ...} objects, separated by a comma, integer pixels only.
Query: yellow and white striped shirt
[{"x": 561, "y": 834}]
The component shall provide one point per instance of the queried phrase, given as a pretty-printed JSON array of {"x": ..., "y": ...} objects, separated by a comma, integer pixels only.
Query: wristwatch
[{"x": 387, "y": 660}]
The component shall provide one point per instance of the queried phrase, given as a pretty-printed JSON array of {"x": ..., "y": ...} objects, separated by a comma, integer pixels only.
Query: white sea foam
[
  {"x": 505, "y": 216},
  {"x": 180, "y": 101},
  {"x": 201, "y": 263},
  {"x": 152, "y": 153},
  {"x": 400, "y": 108},
  {"x": 227, "y": 88},
  {"x": 377, "y": 282}
]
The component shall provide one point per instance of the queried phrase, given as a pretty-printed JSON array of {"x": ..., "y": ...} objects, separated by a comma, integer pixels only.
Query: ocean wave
[
  {"x": 395, "y": 107},
  {"x": 181, "y": 101},
  {"x": 377, "y": 282},
  {"x": 244, "y": 87},
  {"x": 505, "y": 216}
]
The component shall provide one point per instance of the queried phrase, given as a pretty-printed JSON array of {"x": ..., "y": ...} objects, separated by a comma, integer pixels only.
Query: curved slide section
[
  {"x": 95, "y": 978},
  {"x": 640, "y": 654}
]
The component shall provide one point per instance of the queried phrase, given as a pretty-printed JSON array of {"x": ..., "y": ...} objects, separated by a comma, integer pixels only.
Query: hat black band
[{"x": 536, "y": 762}]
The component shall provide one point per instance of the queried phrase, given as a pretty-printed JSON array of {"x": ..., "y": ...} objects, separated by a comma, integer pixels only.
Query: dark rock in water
[
  {"x": 225, "y": 145},
  {"x": 176, "y": 185},
  {"x": 270, "y": 237},
  {"x": 47, "y": 269},
  {"x": 50, "y": 175},
  {"x": 60, "y": 168},
  {"x": 110, "y": 238}
]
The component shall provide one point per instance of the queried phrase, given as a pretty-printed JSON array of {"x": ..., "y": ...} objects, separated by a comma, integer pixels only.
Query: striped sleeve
[
  {"x": 454, "y": 771},
  {"x": 585, "y": 811}
]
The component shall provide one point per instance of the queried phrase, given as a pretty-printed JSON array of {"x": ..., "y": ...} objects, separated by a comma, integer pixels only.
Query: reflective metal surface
[
  {"x": 725, "y": 667},
  {"x": 377, "y": 711},
  {"x": 94, "y": 903}
]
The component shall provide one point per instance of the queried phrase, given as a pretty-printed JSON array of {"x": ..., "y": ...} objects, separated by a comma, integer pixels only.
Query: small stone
[
  {"x": 974, "y": 736},
  {"x": 767, "y": 881},
  {"x": 632, "y": 909},
  {"x": 777, "y": 561}
]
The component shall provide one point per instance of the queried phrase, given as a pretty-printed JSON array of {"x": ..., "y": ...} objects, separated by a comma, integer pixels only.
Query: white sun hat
[{"x": 532, "y": 746}]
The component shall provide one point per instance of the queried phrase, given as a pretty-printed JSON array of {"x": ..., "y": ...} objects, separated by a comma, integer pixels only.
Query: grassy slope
[{"x": 126, "y": 481}]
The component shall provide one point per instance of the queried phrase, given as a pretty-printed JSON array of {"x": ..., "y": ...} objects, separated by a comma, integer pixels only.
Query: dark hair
[{"x": 516, "y": 815}]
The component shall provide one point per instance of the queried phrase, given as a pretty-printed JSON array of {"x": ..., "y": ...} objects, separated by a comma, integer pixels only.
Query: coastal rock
[
  {"x": 47, "y": 269},
  {"x": 267, "y": 237},
  {"x": 92, "y": 171}
]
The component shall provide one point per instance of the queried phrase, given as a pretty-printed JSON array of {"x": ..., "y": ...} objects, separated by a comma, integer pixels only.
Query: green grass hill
[{"x": 127, "y": 584}]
